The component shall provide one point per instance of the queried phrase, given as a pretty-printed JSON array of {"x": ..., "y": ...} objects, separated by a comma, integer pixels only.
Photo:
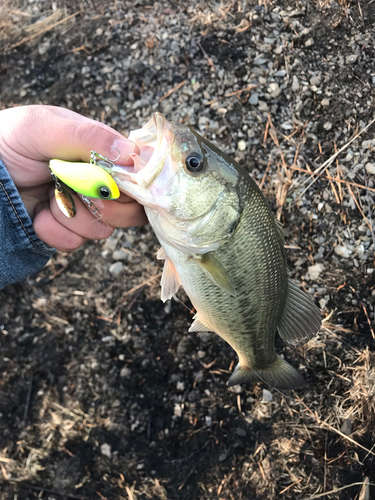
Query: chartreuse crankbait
[{"x": 92, "y": 180}]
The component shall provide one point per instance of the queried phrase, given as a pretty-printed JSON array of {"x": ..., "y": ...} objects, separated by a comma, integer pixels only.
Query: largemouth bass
[{"x": 223, "y": 245}]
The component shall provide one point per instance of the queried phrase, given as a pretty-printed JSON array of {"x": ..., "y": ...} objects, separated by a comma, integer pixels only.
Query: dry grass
[{"x": 19, "y": 24}]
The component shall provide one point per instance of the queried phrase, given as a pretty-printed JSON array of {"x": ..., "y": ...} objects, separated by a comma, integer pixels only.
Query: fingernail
[{"x": 125, "y": 147}]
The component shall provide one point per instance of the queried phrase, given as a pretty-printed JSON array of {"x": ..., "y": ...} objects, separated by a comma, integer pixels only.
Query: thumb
[{"x": 59, "y": 133}]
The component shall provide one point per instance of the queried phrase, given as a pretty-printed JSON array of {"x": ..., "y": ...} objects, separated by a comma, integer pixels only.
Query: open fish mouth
[{"x": 154, "y": 141}]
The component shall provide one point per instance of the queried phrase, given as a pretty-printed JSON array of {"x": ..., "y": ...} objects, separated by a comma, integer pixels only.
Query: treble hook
[{"x": 103, "y": 161}]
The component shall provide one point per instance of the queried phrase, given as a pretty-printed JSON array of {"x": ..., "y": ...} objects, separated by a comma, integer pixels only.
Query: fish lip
[{"x": 154, "y": 132}]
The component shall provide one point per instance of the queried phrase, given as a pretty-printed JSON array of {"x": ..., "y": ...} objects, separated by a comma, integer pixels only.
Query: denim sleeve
[{"x": 21, "y": 251}]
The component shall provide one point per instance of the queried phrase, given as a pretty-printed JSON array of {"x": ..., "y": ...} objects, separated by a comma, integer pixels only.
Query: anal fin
[
  {"x": 301, "y": 318},
  {"x": 199, "y": 326},
  {"x": 280, "y": 375}
]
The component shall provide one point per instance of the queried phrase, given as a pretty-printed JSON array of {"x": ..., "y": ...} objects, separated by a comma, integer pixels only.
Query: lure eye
[
  {"x": 194, "y": 162},
  {"x": 104, "y": 192}
]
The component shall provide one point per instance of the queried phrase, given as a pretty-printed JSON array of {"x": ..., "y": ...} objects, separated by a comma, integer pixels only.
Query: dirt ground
[{"x": 103, "y": 392}]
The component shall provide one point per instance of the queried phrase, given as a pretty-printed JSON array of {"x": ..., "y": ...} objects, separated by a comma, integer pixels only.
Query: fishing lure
[{"x": 92, "y": 180}]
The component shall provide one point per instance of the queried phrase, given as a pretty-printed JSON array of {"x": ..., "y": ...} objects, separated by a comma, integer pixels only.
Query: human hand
[{"x": 30, "y": 136}]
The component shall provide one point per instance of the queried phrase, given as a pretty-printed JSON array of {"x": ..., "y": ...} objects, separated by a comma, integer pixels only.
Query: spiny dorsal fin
[
  {"x": 170, "y": 282},
  {"x": 280, "y": 375},
  {"x": 216, "y": 272},
  {"x": 301, "y": 318},
  {"x": 198, "y": 325}
]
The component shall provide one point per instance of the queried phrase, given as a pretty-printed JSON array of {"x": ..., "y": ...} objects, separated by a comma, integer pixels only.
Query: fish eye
[
  {"x": 104, "y": 192},
  {"x": 194, "y": 162}
]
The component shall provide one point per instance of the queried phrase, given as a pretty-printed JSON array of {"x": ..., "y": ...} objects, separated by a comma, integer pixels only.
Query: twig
[
  {"x": 328, "y": 177},
  {"x": 287, "y": 488},
  {"x": 331, "y": 428},
  {"x": 144, "y": 283},
  {"x": 359, "y": 208},
  {"x": 368, "y": 321},
  {"x": 207, "y": 56},
  {"x": 231, "y": 94},
  {"x": 328, "y": 162},
  {"x": 336, "y": 490},
  {"x": 179, "y": 85},
  {"x": 28, "y": 398},
  {"x": 28, "y": 38},
  {"x": 53, "y": 492}
]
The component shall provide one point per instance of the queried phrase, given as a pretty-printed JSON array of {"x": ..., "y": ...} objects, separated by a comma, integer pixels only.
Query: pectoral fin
[
  {"x": 170, "y": 282},
  {"x": 301, "y": 318},
  {"x": 216, "y": 272}
]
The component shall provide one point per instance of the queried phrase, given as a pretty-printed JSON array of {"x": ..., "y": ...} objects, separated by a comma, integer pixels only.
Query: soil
[{"x": 103, "y": 392}]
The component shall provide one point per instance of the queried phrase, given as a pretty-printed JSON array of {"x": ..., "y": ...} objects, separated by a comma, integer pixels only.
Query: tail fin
[{"x": 280, "y": 375}]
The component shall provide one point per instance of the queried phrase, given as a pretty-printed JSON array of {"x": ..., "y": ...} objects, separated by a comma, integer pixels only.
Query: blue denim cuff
[{"x": 21, "y": 251}]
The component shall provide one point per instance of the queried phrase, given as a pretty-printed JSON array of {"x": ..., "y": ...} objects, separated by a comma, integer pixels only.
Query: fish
[{"x": 220, "y": 241}]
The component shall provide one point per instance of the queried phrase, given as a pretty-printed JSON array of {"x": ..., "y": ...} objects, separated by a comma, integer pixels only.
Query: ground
[{"x": 103, "y": 392}]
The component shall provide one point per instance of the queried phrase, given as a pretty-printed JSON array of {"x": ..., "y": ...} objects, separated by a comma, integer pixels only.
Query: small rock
[
  {"x": 295, "y": 83},
  {"x": 110, "y": 244},
  {"x": 183, "y": 347},
  {"x": 254, "y": 98},
  {"x": 208, "y": 420},
  {"x": 280, "y": 73},
  {"x": 119, "y": 255},
  {"x": 314, "y": 271},
  {"x": 369, "y": 144},
  {"x": 180, "y": 386},
  {"x": 342, "y": 251},
  {"x": 267, "y": 396},
  {"x": 201, "y": 354},
  {"x": 116, "y": 268},
  {"x": 204, "y": 336},
  {"x": 351, "y": 59},
  {"x": 237, "y": 389},
  {"x": 315, "y": 80},
  {"x": 346, "y": 427},
  {"x": 241, "y": 145},
  {"x": 325, "y": 102},
  {"x": 125, "y": 372},
  {"x": 105, "y": 449},
  {"x": 309, "y": 42},
  {"x": 370, "y": 168},
  {"x": 241, "y": 432},
  {"x": 259, "y": 61},
  {"x": 263, "y": 106},
  {"x": 327, "y": 126},
  {"x": 177, "y": 410}
]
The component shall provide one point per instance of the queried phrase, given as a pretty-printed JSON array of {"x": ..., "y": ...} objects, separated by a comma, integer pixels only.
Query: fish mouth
[{"x": 154, "y": 141}]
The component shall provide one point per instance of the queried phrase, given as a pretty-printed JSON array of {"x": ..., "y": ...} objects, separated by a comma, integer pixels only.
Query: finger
[
  {"x": 54, "y": 234},
  {"x": 84, "y": 223},
  {"x": 123, "y": 212},
  {"x": 48, "y": 132}
]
